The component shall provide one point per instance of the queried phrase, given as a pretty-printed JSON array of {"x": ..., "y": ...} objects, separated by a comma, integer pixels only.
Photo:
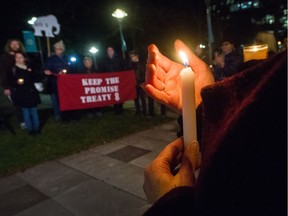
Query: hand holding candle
[
  {"x": 188, "y": 102},
  {"x": 163, "y": 72}
]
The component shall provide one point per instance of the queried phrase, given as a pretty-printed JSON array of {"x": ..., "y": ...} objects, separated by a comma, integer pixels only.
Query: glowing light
[
  {"x": 184, "y": 58},
  {"x": 118, "y": 13},
  {"x": 73, "y": 59},
  {"x": 202, "y": 46},
  {"x": 93, "y": 50},
  {"x": 32, "y": 20}
]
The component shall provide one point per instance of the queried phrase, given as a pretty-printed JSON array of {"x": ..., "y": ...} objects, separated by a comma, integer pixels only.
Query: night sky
[
  {"x": 89, "y": 22},
  {"x": 85, "y": 23}
]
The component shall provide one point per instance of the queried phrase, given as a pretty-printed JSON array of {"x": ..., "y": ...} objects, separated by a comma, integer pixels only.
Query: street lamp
[
  {"x": 94, "y": 50},
  {"x": 209, "y": 28},
  {"x": 120, "y": 14}
]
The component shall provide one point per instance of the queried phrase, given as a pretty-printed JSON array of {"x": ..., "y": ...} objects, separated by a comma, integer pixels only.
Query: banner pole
[{"x": 48, "y": 46}]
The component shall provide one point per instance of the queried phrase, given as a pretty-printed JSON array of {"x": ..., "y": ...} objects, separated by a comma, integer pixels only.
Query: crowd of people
[
  {"x": 22, "y": 84},
  {"x": 228, "y": 59}
]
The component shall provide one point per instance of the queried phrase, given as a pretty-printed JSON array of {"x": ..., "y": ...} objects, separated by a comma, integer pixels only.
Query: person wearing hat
[
  {"x": 55, "y": 64},
  {"x": 228, "y": 62}
]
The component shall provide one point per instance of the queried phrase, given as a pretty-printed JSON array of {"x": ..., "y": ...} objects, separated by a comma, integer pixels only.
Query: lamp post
[
  {"x": 120, "y": 14},
  {"x": 209, "y": 28},
  {"x": 94, "y": 50}
]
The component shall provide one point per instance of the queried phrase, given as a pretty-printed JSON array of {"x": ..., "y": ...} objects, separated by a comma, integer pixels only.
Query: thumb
[{"x": 190, "y": 159}]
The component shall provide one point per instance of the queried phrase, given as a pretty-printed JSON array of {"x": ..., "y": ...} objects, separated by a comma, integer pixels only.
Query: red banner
[{"x": 83, "y": 91}]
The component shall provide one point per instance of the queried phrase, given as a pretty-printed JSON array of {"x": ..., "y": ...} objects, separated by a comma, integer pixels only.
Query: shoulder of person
[
  {"x": 6, "y": 58},
  {"x": 49, "y": 59}
]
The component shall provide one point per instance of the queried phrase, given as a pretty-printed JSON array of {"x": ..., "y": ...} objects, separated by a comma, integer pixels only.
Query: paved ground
[{"x": 105, "y": 180}]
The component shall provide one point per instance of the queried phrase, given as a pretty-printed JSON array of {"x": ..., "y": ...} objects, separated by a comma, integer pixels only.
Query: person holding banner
[
  {"x": 55, "y": 66},
  {"x": 243, "y": 167},
  {"x": 114, "y": 63},
  {"x": 88, "y": 65},
  {"x": 88, "y": 69},
  {"x": 6, "y": 64}
]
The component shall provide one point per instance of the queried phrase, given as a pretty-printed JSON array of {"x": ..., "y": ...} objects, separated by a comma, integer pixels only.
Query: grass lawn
[{"x": 20, "y": 151}]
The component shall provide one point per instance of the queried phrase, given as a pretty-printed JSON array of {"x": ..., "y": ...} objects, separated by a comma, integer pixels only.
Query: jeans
[
  {"x": 31, "y": 118},
  {"x": 55, "y": 106}
]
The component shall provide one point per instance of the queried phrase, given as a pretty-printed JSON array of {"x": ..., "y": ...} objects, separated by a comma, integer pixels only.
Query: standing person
[
  {"x": 200, "y": 52},
  {"x": 229, "y": 61},
  {"x": 88, "y": 68},
  {"x": 217, "y": 53},
  {"x": 6, "y": 63},
  {"x": 21, "y": 82},
  {"x": 151, "y": 108},
  {"x": 266, "y": 37},
  {"x": 139, "y": 68},
  {"x": 114, "y": 63},
  {"x": 88, "y": 65},
  {"x": 55, "y": 65}
]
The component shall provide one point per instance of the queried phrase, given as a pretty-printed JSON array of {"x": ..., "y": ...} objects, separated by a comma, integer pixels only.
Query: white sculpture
[{"x": 47, "y": 24}]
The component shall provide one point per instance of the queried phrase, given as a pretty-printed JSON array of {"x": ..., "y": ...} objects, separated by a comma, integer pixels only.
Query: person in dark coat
[
  {"x": 242, "y": 150},
  {"x": 21, "y": 81},
  {"x": 7, "y": 61},
  {"x": 89, "y": 68},
  {"x": 55, "y": 65},
  {"x": 114, "y": 63},
  {"x": 139, "y": 68},
  {"x": 228, "y": 63}
]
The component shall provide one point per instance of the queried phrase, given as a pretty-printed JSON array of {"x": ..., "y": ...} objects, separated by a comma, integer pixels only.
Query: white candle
[{"x": 188, "y": 103}]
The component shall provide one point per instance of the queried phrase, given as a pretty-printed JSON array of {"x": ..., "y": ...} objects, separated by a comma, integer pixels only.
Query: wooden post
[{"x": 48, "y": 46}]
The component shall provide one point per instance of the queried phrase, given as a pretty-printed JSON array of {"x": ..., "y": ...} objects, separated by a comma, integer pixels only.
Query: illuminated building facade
[{"x": 242, "y": 19}]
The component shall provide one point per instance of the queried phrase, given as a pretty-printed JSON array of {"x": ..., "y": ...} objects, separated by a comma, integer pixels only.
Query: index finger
[{"x": 155, "y": 57}]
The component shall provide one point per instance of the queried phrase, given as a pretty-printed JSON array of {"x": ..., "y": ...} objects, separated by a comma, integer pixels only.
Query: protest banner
[{"x": 84, "y": 91}]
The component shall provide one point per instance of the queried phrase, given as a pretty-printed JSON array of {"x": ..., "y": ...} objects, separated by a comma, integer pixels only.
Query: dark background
[{"x": 85, "y": 23}]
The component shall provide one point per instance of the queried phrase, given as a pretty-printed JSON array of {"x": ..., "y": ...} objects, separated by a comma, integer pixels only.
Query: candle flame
[
  {"x": 184, "y": 58},
  {"x": 20, "y": 81}
]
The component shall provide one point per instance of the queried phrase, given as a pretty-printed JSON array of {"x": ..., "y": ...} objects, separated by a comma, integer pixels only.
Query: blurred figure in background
[
  {"x": 55, "y": 65},
  {"x": 217, "y": 53},
  {"x": 139, "y": 68},
  {"x": 200, "y": 52},
  {"x": 6, "y": 64},
  {"x": 21, "y": 81},
  {"x": 114, "y": 63},
  {"x": 229, "y": 61},
  {"x": 88, "y": 68},
  {"x": 266, "y": 37},
  {"x": 88, "y": 65}
]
